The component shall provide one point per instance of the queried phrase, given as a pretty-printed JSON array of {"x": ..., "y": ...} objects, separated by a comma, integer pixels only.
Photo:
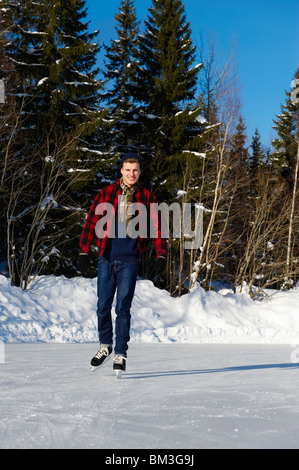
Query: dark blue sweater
[{"x": 121, "y": 248}]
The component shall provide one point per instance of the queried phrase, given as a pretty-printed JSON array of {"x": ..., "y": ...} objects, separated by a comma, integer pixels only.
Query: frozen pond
[{"x": 173, "y": 396}]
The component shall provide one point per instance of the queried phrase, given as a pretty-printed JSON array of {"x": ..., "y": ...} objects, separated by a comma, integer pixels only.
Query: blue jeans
[{"x": 119, "y": 276}]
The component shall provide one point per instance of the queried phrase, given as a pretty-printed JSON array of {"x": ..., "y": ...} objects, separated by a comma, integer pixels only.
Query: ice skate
[
  {"x": 119, "y": 365},
  {"x": 101, "y": 357}
]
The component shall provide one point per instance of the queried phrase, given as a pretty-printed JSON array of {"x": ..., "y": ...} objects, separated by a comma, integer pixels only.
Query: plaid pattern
[
  {"x": 126, "y": 215},
  {"x": 109, "y": 195}
]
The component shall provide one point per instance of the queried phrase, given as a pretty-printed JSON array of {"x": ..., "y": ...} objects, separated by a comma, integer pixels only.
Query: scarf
[{"x": 124, "y": 213}]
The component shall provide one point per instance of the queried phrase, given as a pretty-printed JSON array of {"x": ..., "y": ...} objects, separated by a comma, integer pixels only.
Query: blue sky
[{"x": 267, "y": 36}]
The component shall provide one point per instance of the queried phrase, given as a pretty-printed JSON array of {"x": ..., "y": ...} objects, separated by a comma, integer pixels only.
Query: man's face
[{"x": 130, "y": 173}]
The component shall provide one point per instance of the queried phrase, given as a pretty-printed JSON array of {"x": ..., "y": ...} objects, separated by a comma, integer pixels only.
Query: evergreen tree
[
  {"x": 256, "y": 160},
  {"x": 285, "y": 160},
  {"x": 239, "y": 178},
  {"x": 54, "y": 55},
  {"x": 167, "y": 56},
  {"x": 167, "y": 83},
  {"x": 121, "y": 74},
  {"x": 259, "y": 171},
  {"x": 173, "y": 137},
  {"x": 57, "y": 138},
  {"x": 239, "y": 151},
  {"x": 285, "y": 144}
]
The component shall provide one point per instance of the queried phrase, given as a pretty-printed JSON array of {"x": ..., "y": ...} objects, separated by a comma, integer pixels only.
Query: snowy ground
[
  {"x": 173, "y": 396},
  {"x": 207, "y": 370},
  {"x": 57, "y": 309}
]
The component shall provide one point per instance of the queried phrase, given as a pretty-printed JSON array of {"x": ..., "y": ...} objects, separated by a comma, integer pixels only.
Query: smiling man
[
  {"x": 130, "y": 172},
  {"x": 119, "y": 255}
]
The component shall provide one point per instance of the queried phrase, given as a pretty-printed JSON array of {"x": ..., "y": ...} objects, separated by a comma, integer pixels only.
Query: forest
[{"x": 65, "y": 123}]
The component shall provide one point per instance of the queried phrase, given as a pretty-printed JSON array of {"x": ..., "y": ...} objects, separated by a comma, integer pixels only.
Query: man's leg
[
  {"x": 106, "y": 291},
  {"x": 126, "y": 274}
]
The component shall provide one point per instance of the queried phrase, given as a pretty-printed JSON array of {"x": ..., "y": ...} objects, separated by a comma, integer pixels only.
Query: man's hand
[
  {"x": 83, "y": 262},
  {"x": 160, "y": 265}
]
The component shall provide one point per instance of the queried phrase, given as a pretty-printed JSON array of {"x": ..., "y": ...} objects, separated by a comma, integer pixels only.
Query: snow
[
  {"x": 207, "y": 370},
  {"x": 58, "y": 309},
  {"x": 201, "y": 119},
  {"x": 46, "y": 201},
  {"x": 41, "y": 33},
  {"x": 197, "y": 154},
  {"x": 196, "y": 67},
  {"x": 77, "y": 83},
  {"x": 42, "y": 81}
]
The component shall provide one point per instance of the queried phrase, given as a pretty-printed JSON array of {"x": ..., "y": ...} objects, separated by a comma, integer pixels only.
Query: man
[{"x": 111, "y": 220}]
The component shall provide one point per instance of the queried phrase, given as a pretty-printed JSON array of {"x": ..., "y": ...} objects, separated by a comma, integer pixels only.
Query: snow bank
[{"x": 57, "y": 309}]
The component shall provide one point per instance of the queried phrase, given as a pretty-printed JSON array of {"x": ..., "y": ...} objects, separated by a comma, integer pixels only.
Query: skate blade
[
  {"x": 118, "y": 373},
  {"x": 94, "y": 368}
]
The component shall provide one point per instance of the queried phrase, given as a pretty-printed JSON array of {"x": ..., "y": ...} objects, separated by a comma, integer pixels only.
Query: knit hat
[{"x": 128, "y": 156}]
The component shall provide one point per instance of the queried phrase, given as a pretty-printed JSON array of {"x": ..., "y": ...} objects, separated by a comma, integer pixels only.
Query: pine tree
[
  {"x": 167, "y": 55},
  {"x": 239, "y": 177},
  {"x": 54, "y": 56},
  {"x": 167, "y": 82},
  {"x": 285, "y": 144},
  {"x": 57, "y": 140},
  {"x": 121, "y": 57},
  {"x": 285, "y": 159},
  {"x": 239, "y": 150},
  {"x": 256, "y": 160},
  {"x": 173, "y": 128}
]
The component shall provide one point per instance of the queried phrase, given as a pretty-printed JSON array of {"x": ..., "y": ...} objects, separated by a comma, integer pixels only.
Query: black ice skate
[
  {"x": 119, "y": 364},
  {"x": 101, "y": 357}
]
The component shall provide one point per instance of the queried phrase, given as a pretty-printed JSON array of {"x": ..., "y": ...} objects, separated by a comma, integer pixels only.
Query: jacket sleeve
[
  {"x": 88, "y": 233},
  {"x": 158, "y": 232}
]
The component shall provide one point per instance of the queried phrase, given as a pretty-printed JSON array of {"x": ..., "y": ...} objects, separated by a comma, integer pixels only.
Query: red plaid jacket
[{"x": 100, "y": 219}]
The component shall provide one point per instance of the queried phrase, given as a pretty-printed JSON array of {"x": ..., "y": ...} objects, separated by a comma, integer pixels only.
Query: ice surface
[
  {"x": 173, "y": 396},
  {"x": 207, "y": 370}
]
